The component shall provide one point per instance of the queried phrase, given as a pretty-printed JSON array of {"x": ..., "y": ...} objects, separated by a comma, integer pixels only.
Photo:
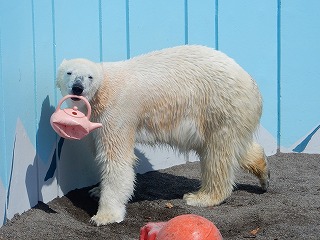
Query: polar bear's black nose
[{"x": 77, "y": 89}]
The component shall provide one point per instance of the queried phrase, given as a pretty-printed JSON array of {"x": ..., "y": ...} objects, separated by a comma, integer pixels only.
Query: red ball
[{"x": 189, "y": 227}]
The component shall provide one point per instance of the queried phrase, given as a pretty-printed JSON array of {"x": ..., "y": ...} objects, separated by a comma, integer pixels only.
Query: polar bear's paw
[
  {"x": 95, "y": 192},
  {"x": 103, "y": 219},
  {"x": 201, "y": 199}
]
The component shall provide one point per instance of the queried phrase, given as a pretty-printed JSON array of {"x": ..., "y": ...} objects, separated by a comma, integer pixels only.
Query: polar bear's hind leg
[{"x": 218, "y": 164}]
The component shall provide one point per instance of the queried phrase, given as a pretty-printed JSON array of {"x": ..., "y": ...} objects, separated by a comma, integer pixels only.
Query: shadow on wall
[
  {"x": 59, "y": 165},
  {"x": 45, "y": 152},
  {"x": 143, "y": 164}
]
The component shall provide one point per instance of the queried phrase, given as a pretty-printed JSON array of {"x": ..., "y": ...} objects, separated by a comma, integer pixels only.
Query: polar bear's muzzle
[{"x": 77, "y": 87}]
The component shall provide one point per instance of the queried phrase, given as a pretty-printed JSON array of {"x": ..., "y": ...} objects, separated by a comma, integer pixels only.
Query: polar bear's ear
[{"x": 63, "y": 61}]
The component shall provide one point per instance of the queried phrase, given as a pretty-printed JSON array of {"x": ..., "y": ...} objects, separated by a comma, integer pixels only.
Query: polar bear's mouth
[{"x": 75, "y": 99}]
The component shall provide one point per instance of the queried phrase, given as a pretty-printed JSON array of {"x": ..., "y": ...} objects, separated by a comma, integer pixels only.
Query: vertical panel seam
[
  {"x": 54, "y": 54},
  {"x": 36, "y": 117},
  {"x": 100, "y": 32},
  {"x": 54, "y": 78},
  {"x": 34, "y": 64},
  {"x": 3, "y": 119},
  {"x": 128, "y": 28},
  {"x": 3, "y": 131},
  {"x": 216, "y": 24},
  {"x": 186, "y": 23},
  {"x": 278, "y": 75}
]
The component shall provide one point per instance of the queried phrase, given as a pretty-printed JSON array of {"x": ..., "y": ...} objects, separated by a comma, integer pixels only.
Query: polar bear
[{"x": 192, "y": 98}]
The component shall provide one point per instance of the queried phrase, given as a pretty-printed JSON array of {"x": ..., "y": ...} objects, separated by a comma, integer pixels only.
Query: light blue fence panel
[
  {"x": 201, "y": 22},
  {"x": 44, "y": 77},
  {"x": 114, "y": 30},
  {"x": 155, "y": 25},
  {"x": 19, "y": 103},
  {"x": 300, "y": 72},
  {"x": 77, "y": 29},
  {"x": 248, "y": 33},
  {"x": 44, "y": 61}
]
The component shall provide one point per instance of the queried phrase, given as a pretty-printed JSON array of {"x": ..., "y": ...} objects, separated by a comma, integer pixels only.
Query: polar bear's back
[
  {"x": 197, "y": 72},
  {"x": 193, "y": 65}
]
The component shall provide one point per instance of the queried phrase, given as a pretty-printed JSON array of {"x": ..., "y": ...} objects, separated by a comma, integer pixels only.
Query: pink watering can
[{"x": 70, "y": 123}]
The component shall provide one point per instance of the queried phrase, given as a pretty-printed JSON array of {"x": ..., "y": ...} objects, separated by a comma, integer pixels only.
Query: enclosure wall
[{"x": 277, "y": 42}]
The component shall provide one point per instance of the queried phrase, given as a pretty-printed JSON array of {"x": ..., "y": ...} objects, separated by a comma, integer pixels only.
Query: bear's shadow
[
  {"x": 156, "y": 185},
  {"x": 151, "y": 186},
  {"x": 255, "y": 189},
  {"x": 163, "y": 186}
]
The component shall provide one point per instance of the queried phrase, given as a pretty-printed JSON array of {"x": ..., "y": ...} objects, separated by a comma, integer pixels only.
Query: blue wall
[
  {"x": 300, "y": 69},
  {"x": 277, "y": 42}
]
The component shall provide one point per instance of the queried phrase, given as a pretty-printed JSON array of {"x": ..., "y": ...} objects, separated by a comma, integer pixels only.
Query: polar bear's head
[{"x": 79, "y": 77}]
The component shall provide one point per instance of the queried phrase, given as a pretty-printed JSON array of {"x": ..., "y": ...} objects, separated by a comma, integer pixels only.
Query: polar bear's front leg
[{"x": 116, "y": 188}]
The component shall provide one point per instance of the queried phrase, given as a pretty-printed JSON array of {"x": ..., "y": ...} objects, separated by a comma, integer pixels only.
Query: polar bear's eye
[
  {"x": 90, "y": 77},
  {"x": 69, "y": 73}
]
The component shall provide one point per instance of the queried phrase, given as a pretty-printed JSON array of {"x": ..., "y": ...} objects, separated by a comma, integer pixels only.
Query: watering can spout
[{"x": 94, "y": 126}]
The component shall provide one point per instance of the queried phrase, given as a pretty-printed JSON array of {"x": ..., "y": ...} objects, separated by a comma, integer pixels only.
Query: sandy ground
[{"x": 289, "y": 210}]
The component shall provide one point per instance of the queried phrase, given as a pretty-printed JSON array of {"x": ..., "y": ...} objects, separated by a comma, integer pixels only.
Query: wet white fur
[{"x": 190, "y": 97}]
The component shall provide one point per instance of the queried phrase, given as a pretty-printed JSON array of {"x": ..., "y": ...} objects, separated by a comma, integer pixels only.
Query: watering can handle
[{"x": 75, "y": 96}]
